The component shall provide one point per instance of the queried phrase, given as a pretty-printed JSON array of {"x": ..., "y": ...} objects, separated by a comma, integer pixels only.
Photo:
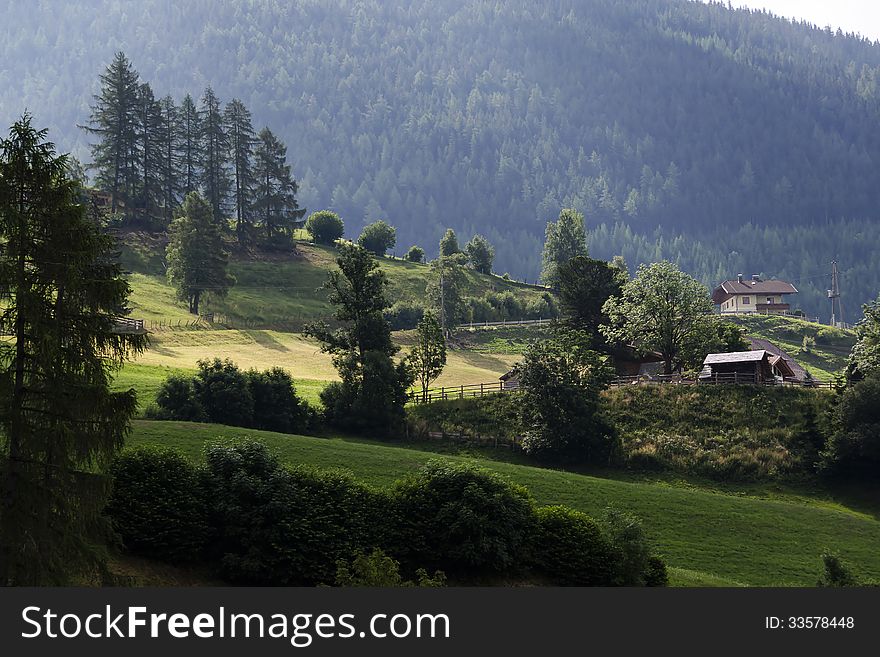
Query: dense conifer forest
[{"x": 728, "y": 140}]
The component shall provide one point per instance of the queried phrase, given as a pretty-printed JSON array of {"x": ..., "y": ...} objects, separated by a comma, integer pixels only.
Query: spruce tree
[
  {"x": 215, "y": 159},
  {"x": 189, "y": 130},
  {"x": 61, "y": 292},
  {"x": 149, "y": 152},
  {"x": 276, "y": 188},
  {"x": 197, "y": 259},
  {"x": 169, "y": 158},
  {"x": 114, "y": 122},
  {"x": 240, "y": 132}
]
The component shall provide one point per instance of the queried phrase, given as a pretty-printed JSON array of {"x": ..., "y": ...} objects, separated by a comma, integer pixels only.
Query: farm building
[
  {"x": 745, "y": 367},
  {"x": 753, "y": 296},
  {"x": 628, "y": 361}
]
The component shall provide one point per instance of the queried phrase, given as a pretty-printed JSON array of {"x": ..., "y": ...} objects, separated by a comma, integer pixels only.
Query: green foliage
[
  {"x": 281, "y": 526},
  {"x": 449, "y": 243},
  {"x": 836, "y": 572},
  {"x": 325, "y": 227},
  {"x": 378, "y": 237},
  {"x": 664, "y": 310},
  {"x": 480, "y": 254},
  {"x": 404, "y": 315},
  {"x": 372, "y": 391},
  {"x": 177, "y": 400},
  {"x": 275, "y": 199},
  {"x": 633, "y": 562},
  {"x": 853, "y": 448},
  {"x": 415, "y": 254},
  {"x": 158, "y": 505},
  {"x": 445, "y": 290},
  {"x": 563, "y": 240},
  {"x": 490, "y": 415},
  {"x": 571, "y": 549},
  {"x": 808, "y": 344},
  {"x": 428, "y": 355},
  {"x": 61, "y": 292},
  {"x": 224, "y": 392},
  {"x": 561, "y": 379},
  {"x": 462, "y": 519},
  {"x": 865, "y": 356},
  {"x": 377, "y": 569},
  {"x": 221, "y": 393},
  {"x": 583, "y": 286},
  {"x": 197, "y": 259},
  {"x": 764, "y": 434}
]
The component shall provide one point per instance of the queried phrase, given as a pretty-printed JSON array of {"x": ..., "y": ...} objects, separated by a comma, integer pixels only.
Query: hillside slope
[
  {"x": 756, "y": 541},
  {"x": 725, "y": 139}
]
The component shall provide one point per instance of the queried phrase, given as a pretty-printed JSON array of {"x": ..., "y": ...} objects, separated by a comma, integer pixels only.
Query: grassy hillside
[
  {"x": 279, "y": 291},
  {"x": 827, "y": 358},
  {"x": 707, "y": 536}
]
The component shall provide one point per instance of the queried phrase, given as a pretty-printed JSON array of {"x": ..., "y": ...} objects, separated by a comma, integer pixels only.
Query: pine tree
[
  {"x": 215, "y": 149},
  {"x": 60, "y": 294},
  {"x": 276, "y": 191},
  {"x": 188, "y": 137},
  {"x": 149, "y": 151},
  {"x": 197, "y": 260},
  {"x": 169, "y": 158},
  {"x": 240, "y": 131},
  {"x": 114, "y": 121}
]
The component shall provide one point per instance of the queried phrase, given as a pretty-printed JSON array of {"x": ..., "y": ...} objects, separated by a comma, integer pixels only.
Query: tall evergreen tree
[
  {"x": 215, "y": 159},
  {"x": 276, "y": 191},
  {"x": 149, "y": 152},
  {"x": 564, "y": 240},
  {"x": 240, "y": 132},
  {"x": 190, "y": 145},
  {"x": 114, "y": 121},
  {"x": 197, "y": 260},
  {"x": 168, "y": 146},
  {"x": 60, "y": 293}
]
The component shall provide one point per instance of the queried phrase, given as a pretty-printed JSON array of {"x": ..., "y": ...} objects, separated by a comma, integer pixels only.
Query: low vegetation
[{"x": 764, "y": 536}]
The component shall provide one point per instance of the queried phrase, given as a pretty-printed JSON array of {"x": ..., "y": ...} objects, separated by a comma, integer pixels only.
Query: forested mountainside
[{"x": 726, "y": 139}]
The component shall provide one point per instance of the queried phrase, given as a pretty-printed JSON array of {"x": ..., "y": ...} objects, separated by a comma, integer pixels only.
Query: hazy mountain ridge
[{"x": 490, "y": 116}]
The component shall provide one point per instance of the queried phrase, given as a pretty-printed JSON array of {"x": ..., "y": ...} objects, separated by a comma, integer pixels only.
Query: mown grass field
[
  {"x": 278, "y": 291},
  {"x": 708, "y": 537}
]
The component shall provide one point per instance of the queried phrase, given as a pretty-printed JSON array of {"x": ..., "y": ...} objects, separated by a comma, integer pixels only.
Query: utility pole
[{"x": 834, "y": 295}]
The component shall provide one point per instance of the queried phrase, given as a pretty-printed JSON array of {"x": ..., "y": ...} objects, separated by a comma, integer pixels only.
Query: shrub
[
  {"x": 378, "y": 569},
  {"x": 403, "y": 315},
  {"x": 285, "y": 526},
  {"x": 224, "y": 392},
  {"x": 378, "y": 237},
  {"x": 157, "y": 504},
  {"x": 276, "y": 406},
  {"x": 571, "y": 548},
  {"x": 854, "y": 445},
  {"x": 325, "y": 227},
  {"x": 415, "y": 254},
  {"x": 461, "y": 518},
  {"x": 177, "y": 400},
  {"x": 634, "y": 565}
]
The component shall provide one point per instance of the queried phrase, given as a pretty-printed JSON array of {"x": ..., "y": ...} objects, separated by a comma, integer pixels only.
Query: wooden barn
[{"x": 745, "y": 367}]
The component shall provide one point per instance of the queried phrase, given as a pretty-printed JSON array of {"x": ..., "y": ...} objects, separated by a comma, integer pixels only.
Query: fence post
[{"x": 736, "y": 377}]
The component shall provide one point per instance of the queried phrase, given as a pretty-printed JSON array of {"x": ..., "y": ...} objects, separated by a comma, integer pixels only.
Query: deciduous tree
[
  {"x": 563, "y": 240},
  {"x": 662, "y": 309},
  {"x": 480, "y": 254},
  {"x": 428, "y": 354}
]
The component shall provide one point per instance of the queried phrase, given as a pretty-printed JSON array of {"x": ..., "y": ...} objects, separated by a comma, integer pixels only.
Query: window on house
[
  {"x": 769, "y": 299},
  {"x": 746, "y": 301}
]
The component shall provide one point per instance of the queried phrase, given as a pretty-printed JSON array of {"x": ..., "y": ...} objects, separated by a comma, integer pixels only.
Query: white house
[{"x": 753, "y": 296}]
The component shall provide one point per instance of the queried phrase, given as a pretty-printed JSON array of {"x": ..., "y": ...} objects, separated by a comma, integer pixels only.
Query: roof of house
[
  {"x": 782, "y": 365},
  {"x": 735, "y": 357},
  {"x": 730, "y": 288}
]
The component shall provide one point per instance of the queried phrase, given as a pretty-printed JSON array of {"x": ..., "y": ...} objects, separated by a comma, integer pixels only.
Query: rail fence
[
  {"x": 508, "y": 322},
  {"x": 461, "y": 392}
]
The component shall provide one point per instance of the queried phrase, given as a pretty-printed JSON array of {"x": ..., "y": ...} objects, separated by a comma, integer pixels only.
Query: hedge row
[{"x": 256, "y": 522}]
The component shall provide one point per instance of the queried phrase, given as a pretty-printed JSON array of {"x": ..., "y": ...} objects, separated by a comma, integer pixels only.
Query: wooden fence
[
  {"x": 508, "y": 322},
  {"x": 734, "y": 378},
  {"x": 461, "y": 392}
]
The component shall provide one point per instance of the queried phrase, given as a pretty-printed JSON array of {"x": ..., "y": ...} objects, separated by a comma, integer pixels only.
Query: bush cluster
[
  {"x": 253, "y": 521},
  {"x": 223, "y": 394}
]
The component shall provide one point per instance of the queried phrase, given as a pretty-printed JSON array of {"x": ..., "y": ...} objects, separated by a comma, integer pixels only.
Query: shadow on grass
[{"x": 263, "y": 339}]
